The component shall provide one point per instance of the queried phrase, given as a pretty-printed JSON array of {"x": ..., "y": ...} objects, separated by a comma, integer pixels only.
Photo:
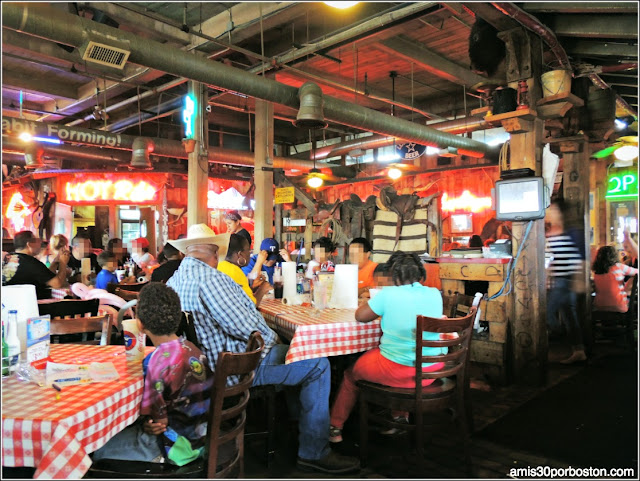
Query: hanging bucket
[{"x": 556, "y": 82}]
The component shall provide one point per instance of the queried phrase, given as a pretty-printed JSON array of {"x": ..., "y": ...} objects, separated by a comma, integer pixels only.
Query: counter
[{"x": 491, "y": 351}]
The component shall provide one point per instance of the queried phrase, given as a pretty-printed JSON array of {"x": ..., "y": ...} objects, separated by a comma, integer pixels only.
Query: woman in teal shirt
[{"x": 392, "y": 363}]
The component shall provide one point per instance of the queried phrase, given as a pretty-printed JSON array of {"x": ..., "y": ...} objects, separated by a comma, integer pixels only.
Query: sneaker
[
  {"x": 335, "y": 434},
  {"x": 577, "y": 356},
  {"x": 392, "y": 431},
  {"x": 332, "y": 463}
]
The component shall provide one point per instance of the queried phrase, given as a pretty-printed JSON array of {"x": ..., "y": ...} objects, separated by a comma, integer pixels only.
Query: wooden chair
[
  {"x": 266, "y": 394},
  {"x": 447, "y": 392},
  {"x": 69, "y": 308},
  {"x": 226, "y": 422},
  {"x": 77, "y": 325}
]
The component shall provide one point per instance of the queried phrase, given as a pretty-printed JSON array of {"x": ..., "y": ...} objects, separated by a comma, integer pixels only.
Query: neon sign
[
  {"x": 17, "y": 211},
  {"x": 623, "y": 185},
  {"x": 230, "y": 199},
  {"x": 188, "y": 116},
  {"x": 466, "y": 202},
  {"x": 107, "y": 190}
]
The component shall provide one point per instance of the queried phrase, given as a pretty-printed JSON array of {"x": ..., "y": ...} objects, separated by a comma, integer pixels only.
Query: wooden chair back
[
  {"x": 77, "y": 325},
  {"x": 70, "y": 308},
  {"x": 227, "y": 413}
]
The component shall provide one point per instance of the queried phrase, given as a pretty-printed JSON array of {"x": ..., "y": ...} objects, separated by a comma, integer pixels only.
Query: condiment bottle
[
  {"x": 5, "y": 354},
  {"x": 13, "y": 342}
]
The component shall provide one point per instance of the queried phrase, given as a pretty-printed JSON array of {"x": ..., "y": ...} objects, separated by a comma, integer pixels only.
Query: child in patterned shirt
[{"x": 175, "y": 400}]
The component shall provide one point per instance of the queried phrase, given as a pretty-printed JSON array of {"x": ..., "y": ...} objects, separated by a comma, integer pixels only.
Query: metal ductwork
[
  {"x": 140, "y": 154},
  {"x": 310, "y": 114},
  {"x": 55, "y": 25},
  {"x": 12, "y": 145},
  {"x": 33, "y": 153}
]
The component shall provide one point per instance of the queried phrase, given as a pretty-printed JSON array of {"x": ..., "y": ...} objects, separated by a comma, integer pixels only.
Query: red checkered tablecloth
[
  {"x": 55, "y": 436},
  {"x": 314, "y": 333}
]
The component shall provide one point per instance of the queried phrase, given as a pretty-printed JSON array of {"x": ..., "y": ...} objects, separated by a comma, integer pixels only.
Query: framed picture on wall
[{"x": 461, "y": 223}]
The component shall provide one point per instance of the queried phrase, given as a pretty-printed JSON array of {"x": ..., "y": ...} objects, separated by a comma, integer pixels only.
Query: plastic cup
[
  {"x": 120, "y": 274},
  {"x": 134, "y": 340}
]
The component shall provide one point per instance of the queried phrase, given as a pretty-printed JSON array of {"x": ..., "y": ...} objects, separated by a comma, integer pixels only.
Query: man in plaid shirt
[{"x": 224, "y": 317}]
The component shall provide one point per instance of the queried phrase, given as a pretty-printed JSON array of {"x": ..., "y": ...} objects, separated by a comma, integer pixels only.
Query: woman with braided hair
[{"x": 392, "y": 363}]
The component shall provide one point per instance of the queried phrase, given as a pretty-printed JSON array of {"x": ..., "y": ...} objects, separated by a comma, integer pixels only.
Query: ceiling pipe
[
  {"x": 532, "y": 23},
  {"x": 456, "y": 126},
  {"x": 14, "y": 146},
  {"x": 50, "y": 23},
  {"x": 121, "y": 142},
  {"x": 135, "y": 98},
  {"x": 619, "y": 67},
  {"x": 620, "y": 102}
]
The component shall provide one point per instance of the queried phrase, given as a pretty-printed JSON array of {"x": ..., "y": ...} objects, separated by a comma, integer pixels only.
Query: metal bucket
[{"x": 556, "y": 82}]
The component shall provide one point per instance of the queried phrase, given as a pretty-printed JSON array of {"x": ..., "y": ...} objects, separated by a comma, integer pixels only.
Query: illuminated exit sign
[
  {"x": 188, "y": 116},
  {"x": 623, "y": 185}
]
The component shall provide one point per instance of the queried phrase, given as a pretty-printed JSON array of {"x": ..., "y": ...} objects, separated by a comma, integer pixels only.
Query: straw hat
[{"x": 202, "y": 234}]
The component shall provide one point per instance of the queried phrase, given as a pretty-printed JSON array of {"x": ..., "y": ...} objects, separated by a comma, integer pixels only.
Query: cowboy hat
[{"x": 202, "y": 234}]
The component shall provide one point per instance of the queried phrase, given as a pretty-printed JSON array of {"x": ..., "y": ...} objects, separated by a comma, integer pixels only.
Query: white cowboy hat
[{"x": 202, "y": 234}]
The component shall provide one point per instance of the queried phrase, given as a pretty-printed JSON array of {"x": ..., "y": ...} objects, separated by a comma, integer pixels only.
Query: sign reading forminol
[
  {"x": 69, "y": 134},
  {"x": 285, "y": 195}
]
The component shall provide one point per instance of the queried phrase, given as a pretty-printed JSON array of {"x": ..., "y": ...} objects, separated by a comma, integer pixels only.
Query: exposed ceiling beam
[
  {"x": 48, "y": 87},
  {"x": 627, "y": 91},
  {"x": 492, "y": 16},
  {"x": 587, "y": 48},
  {"x": 581, "y": 7},
  {"x": 430, "y": 61},
  {"x": 348, "y": 35},
  {"x": 594, "y": 26}
]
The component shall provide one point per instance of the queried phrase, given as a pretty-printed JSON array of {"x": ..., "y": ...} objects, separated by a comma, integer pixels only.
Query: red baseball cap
[{"x": 140, "y": 241}]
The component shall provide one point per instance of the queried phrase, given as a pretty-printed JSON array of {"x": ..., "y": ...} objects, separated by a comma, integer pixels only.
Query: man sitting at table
[
  {"x": 270, "y": 254},
  {"x": 164, "y": 272},
  {"x": 225, "y": 317},
  {"x": 175, "y": 399},
  {"x": 81, "y": 249},
  {"x": 237, "y": 254},
  {"x": 22, "y": 267},
  {"x": 360, "y": 253}
]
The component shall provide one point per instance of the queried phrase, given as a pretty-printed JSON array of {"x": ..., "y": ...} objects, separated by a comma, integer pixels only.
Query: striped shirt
[
  {"x": 224, "y": 317},
  {"x": 565, "y": 258},
  {"x": 609, "y": 287}
]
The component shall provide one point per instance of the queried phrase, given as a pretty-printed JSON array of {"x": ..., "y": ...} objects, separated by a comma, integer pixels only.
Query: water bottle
[
  {"x": 5, "y": 354},
  {"x": 13, "y": 342}
]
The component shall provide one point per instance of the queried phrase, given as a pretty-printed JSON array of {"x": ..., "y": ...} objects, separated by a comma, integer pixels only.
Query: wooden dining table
[
  {"x": 55, "y": 431},
  {"x": 317, "y": 333}
]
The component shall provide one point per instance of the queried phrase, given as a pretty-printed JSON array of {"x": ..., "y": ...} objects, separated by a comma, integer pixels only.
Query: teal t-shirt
[{"x": 399, "y": 306}]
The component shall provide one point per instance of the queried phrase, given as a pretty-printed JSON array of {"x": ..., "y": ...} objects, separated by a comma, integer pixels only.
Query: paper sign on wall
[{"x": 285, "y": 195}]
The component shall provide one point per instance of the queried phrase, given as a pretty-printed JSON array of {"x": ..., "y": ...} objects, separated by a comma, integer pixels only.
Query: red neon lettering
[
  {"x": 122, "y": 190},
  {"x": 89, "y": 186},
  {"x": 72, "y": 191}
]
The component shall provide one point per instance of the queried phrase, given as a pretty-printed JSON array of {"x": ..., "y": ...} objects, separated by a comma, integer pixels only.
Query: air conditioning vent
[{"x": 105, "y": 55}]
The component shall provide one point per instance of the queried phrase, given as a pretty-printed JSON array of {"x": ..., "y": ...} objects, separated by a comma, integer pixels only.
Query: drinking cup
[
  {"x": 134, "y": 340},
  {"x": 278, "y": 288},
  {"x": 120, "y": 274}
]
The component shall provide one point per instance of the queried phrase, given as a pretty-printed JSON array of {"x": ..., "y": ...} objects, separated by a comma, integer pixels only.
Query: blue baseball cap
[{"x": 271, "y": 246}]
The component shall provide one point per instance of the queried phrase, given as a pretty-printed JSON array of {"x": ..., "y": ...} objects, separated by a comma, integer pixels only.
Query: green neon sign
[
  {"x": 623, "y": 185},
  {"x": 188, "y": 116}
]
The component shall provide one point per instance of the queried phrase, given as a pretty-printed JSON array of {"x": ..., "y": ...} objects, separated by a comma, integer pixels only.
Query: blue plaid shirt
[{"x": 224, "y": 316}]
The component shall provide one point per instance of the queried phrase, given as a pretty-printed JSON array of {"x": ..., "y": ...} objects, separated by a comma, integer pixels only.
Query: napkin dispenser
[{"x": 501, "y": 247}]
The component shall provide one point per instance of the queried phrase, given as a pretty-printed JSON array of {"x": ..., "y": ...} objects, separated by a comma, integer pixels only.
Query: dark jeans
[{"x": 562, "y": 299}]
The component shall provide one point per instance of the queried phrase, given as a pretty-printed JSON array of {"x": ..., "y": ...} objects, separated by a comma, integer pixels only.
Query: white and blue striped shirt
[
  {"x": 224, "y": 316},
  {"x": 565, "y": 258}
]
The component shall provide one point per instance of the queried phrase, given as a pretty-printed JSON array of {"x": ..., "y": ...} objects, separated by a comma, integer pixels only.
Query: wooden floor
[{"x": 393, "y": 457}]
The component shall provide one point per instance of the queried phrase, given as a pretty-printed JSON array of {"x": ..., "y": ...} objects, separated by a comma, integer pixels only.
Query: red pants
[{"x": 372, "y": 366}]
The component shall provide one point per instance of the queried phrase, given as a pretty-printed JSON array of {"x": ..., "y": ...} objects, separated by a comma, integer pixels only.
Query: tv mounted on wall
[{"x": 520, "y": 199}]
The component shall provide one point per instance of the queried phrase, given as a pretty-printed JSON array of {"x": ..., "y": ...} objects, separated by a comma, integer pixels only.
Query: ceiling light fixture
[
  {"x": 25, "y": 137},
  {"x": 626, "y": 153},
  {"x": 314, "y": 181},
  {"x": 394, "y": 173},
  {"x": 341, "y": 5}
]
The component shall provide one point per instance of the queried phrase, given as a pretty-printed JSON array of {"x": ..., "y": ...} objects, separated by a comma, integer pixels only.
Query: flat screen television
[{"x": 520, "y": 199}]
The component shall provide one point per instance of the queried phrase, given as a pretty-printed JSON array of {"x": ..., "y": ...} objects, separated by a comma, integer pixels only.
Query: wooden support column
[
  {"x": 198, "y": 164},
  {"x": 263, "y": 178},
  {"x": 148, "y": 215},
  {"x": 528, "y": 327},
  {"x": 528, "y": 353},
  {"x": 114, "y": 224}
]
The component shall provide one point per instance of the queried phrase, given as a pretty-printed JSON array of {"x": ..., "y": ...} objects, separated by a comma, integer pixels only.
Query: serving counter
[{"x": 491, "y": 350}]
